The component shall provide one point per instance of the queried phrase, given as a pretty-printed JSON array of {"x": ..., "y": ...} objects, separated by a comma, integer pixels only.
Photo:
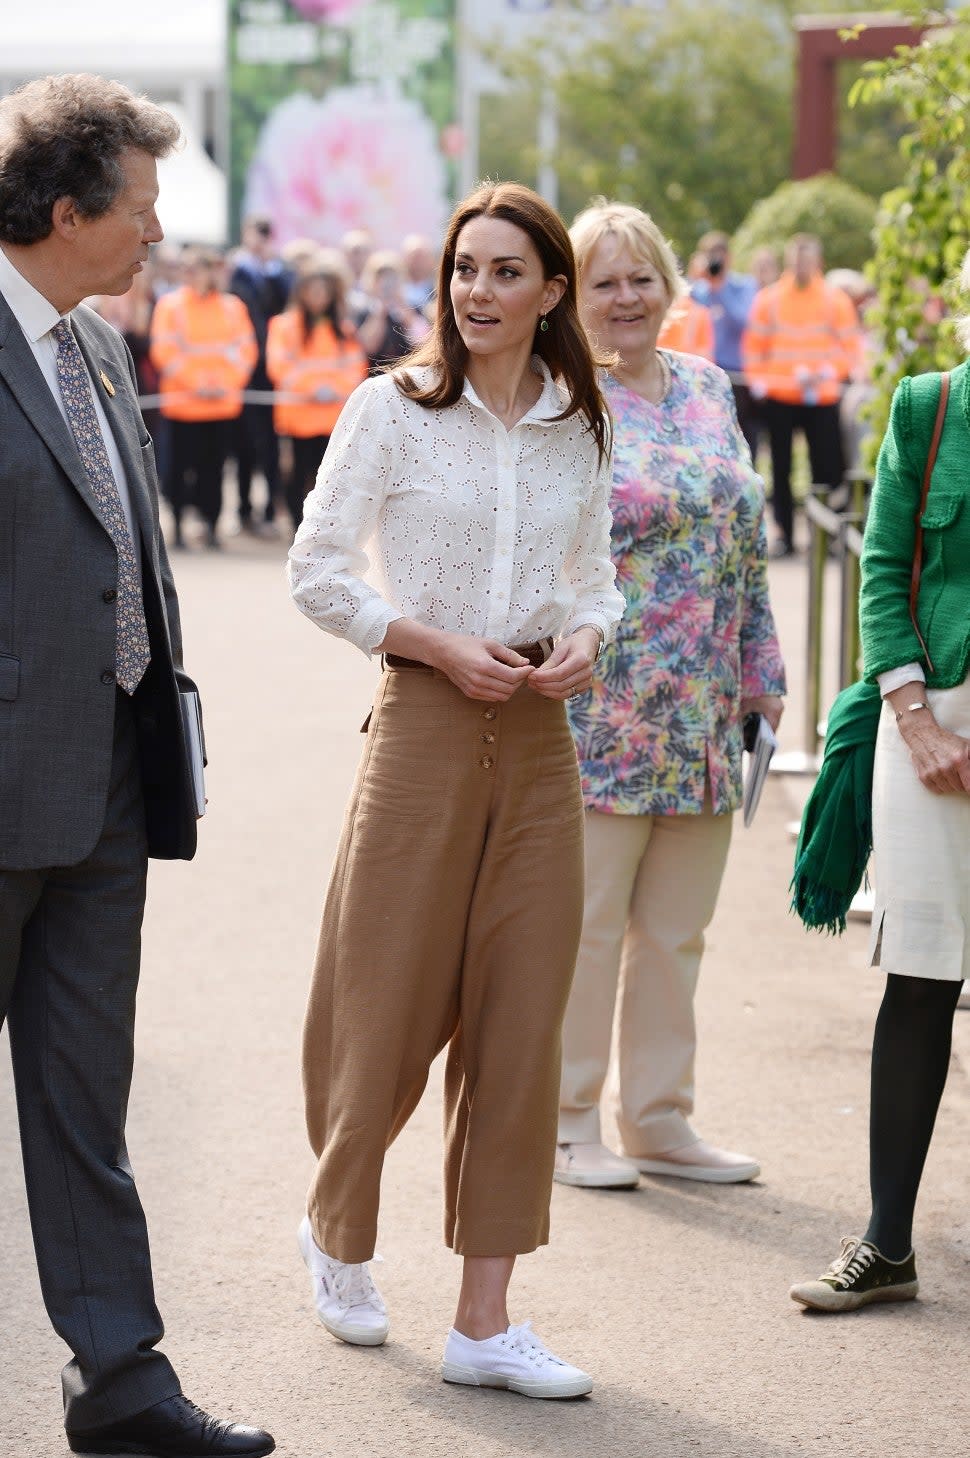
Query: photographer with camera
[{"x": 728, "y": 297}]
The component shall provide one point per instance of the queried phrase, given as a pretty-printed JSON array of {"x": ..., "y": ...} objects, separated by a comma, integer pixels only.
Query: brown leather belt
[{"x": 536, "y": 653}]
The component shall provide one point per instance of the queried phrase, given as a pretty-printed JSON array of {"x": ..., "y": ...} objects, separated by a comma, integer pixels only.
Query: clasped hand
[
  {"x": 941, "y": 759},
  {"x": 486, "y": 670}
]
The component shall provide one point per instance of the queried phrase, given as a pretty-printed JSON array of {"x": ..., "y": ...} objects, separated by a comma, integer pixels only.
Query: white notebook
[
  {"x": 759, "y": 759},
  {"x": 192, "y": 730}
]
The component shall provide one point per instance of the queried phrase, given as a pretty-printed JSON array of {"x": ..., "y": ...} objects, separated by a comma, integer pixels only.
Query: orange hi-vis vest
[
  {"x": 204, "y": 349},
  {"x": 801, "y": 344},
  {"x": 688, "y": 328},
  {"x": 301, "y": 367}
]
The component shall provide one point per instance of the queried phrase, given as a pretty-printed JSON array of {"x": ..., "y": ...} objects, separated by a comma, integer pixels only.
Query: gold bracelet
[{"x": 910, "y": 709}]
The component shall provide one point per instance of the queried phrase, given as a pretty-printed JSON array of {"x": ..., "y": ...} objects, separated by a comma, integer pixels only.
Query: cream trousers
[{"x": 651, "y": 888}]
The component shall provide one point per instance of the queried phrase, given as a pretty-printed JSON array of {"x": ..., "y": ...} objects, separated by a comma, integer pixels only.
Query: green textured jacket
[{"x": 943, "y": 609}]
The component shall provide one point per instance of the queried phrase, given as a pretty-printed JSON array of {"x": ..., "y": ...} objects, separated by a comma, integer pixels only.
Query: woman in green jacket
[{"x": 921, "y": 818}]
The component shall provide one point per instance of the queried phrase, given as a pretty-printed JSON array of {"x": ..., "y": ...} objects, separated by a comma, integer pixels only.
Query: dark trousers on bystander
[
  {"x": 820, "y": 425},
  {"x": 197, "y": 458},
  {"x": 256, "y": 446},
  {"x": 308, "y": 452}
]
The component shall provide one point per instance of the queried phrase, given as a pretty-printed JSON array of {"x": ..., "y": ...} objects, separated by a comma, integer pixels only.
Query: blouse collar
[{"x": 546, "y": 408}]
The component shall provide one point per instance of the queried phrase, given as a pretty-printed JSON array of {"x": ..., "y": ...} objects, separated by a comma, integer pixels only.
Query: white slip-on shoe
[
  {"x": 702, "y": 1161},
  {"x": 516, "y": 1360},
  {"x": 594, "y": 1167},
  {"x": 348, "y": 1303}
]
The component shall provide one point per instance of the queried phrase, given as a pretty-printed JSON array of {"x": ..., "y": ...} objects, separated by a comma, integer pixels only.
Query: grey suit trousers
[{"x": 70, "y": 940}]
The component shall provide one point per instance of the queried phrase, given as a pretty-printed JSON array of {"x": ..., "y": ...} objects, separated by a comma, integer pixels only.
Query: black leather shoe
[{"x": 175, "y": 1428}]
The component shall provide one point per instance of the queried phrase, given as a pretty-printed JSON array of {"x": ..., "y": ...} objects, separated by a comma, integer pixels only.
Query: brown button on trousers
[{"x": 453, "y": 917}]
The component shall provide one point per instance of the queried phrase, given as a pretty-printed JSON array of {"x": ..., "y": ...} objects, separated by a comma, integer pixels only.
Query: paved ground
[{"x": 674, "y": 1296}]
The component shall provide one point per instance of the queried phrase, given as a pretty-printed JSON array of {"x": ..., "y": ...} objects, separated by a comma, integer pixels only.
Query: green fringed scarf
[{"x": 835, "y": 839}]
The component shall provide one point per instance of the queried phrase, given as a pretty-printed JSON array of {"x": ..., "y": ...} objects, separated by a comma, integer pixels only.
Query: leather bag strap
[{"x": 918, "y": 542}]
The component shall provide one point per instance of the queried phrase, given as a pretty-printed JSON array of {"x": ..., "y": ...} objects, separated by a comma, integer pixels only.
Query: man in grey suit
[{"x": 94, "y": 772}]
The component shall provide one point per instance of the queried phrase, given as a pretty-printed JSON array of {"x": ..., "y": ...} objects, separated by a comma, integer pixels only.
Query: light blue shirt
[{"x": 730, "y": 306}]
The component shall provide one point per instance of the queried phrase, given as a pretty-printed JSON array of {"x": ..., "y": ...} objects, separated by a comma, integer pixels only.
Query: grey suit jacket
[{"x": 58, "y": 577}]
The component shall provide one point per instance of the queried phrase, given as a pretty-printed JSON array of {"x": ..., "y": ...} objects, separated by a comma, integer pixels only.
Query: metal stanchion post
[
  {"x": 849, "y": 645},
  {"x": 806, "y": 761}
]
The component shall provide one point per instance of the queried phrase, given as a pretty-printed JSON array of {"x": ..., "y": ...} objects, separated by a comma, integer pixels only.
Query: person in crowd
[
  {"x": 298, "y": 252},
  {"x": 688, "y": 328},
  {"x": 659, "y": 732},
  {"x": 93, "y": 764},
  {"x": 920, "y": 815},
  {"x": 357, "y": 247},
  {"x": 799, "y": 349},
  {"x": 315, "y": 361},
  {"x": 131, "y": 314},
  {"x": 204, "y": 348},
  {"x": 765, "y": 267},
  {"x": 728, "y": 296},
  {"x": 166, "y": 268},
  {"x": 479, "y": 473},
  {"x": 389, "y": 327},
  {"x": 860, "y": 389},
  {"x": 418, "y": 258},
  {"x": 260, "y": 279}
]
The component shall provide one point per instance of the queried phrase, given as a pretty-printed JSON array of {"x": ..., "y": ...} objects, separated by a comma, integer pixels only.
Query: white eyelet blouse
[{"x": 448, "y": 518}]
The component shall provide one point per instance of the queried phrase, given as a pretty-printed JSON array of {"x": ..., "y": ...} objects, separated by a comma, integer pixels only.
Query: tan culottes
[
  {"x": 651, "y": 889},
  {"x": 453, "y": 917}
]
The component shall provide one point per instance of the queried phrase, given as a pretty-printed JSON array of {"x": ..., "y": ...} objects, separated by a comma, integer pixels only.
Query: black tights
[{"x": 910, "y": 1059}]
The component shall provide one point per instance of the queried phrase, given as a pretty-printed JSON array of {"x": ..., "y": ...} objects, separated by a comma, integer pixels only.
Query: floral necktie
[{"x": 132, "y": 651}]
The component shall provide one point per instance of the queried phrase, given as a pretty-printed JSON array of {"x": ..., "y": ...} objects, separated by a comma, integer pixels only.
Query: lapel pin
[{"x": 107, "y": 383}]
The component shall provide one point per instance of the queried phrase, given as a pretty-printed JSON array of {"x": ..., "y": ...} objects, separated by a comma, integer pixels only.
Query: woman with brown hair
[
  {"x": 315, "y": 362},
  {"x": 479, "y": 476}
]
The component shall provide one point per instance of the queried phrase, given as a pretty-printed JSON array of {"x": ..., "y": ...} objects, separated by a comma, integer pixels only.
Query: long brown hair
[{"x": 564, "y": 346}]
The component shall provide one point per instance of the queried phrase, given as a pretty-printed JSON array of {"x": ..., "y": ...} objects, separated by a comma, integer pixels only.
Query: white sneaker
[
  {"x": 702, "y": 1161},
  {"x": 594, "y": 1167},
  {"x": 348, "y": 1303},
  {"x": 514, "y": 1359}
]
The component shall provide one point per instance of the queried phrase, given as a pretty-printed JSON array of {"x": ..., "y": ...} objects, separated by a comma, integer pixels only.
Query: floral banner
[{"x": 343, "y": 116}]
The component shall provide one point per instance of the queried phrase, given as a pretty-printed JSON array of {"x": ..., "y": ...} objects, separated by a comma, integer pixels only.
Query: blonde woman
[{"x": 659, "y": 733}]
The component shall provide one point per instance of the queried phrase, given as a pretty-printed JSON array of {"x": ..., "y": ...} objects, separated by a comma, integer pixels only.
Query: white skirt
[{"x": 921, "y": 855}]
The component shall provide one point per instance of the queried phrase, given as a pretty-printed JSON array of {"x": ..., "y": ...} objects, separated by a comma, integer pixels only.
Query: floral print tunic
[{"x": 662, "y": 720}]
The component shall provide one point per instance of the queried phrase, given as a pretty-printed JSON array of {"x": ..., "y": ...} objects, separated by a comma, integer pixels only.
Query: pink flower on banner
[
  {"x": 332, "y": 10},
  {"x": 352, "y": 160}
]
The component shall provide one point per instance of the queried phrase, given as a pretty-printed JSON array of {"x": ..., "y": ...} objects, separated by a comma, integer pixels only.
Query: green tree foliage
[
  {"x": 682, "y": 108},
  {"x": 923, "y": 226},
  {"x": 837, "y": 213}
]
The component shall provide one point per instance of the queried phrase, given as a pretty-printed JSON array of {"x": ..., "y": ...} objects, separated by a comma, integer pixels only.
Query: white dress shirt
[
  {"x": 448, "y": 518},
  {"x": 37, "y": 316}
]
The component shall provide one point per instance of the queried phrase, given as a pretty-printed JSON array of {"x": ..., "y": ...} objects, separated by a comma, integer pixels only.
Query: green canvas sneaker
[{"x": 858, "y": 1276}]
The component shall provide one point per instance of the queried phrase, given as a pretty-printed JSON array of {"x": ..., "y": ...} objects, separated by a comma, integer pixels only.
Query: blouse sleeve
[
  {"x": 327, "y": 561},
  {"x": 589, "y": 567},
  {"x": 762, "y": 666}
]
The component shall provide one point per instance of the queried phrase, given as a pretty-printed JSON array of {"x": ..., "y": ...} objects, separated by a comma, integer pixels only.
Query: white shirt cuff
[{"x": 895, "y": 678}]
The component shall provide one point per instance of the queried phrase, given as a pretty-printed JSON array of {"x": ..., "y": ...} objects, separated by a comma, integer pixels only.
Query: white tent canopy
[
  {"x": 172, "y": 39},
  {"x": 192, "y": 192}
]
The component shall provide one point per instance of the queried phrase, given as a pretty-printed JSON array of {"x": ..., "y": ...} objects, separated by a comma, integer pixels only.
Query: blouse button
[
  {"x": 488, "y": 714},
  {"x": 487, "y": 761},
  {"x": 488, "y": 738}
]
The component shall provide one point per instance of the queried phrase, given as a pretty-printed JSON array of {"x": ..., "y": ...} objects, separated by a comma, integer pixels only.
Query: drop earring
[{"x": 543, "y": 325}]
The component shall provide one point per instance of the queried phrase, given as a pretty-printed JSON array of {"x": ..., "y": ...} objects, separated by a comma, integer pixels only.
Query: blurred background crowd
[{"x": 246, "y": 356}]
